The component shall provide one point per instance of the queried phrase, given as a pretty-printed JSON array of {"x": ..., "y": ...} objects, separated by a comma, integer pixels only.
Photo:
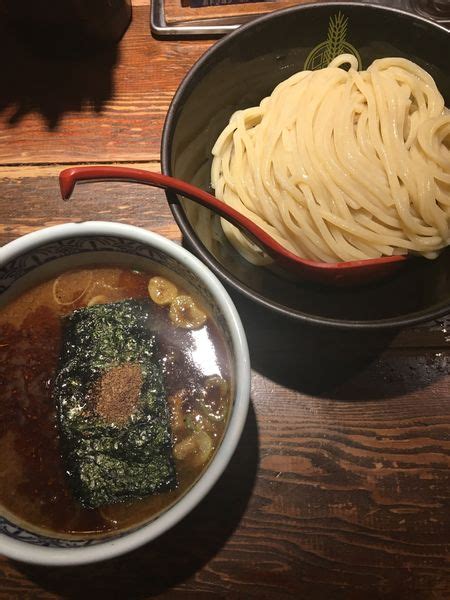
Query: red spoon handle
[
  {"x": 342, "y": 273},
  {"x": 69, "y": 177}
]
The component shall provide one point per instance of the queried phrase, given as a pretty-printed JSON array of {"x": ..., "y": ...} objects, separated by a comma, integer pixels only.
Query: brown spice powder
[{"x": 116, "y": 394}]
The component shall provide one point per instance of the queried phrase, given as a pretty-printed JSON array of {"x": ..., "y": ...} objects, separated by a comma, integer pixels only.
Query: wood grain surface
[{"x": 340, "y": 486}]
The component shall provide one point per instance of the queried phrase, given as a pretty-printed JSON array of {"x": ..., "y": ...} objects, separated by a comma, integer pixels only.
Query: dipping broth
[{"x": 34, "y": 487}]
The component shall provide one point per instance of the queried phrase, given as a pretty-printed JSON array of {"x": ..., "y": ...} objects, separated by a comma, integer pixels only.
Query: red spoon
[{"x": 341, "y": 273}]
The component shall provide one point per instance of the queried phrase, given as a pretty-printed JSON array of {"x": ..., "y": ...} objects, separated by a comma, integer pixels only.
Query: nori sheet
[{"x": 108, "y": 463}]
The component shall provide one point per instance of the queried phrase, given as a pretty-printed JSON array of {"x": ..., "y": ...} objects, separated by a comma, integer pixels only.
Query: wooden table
[{"x": 340, "y": 486}]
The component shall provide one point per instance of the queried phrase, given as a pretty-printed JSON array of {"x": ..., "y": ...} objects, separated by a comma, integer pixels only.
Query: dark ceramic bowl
[{"x": 240, "y": 70}]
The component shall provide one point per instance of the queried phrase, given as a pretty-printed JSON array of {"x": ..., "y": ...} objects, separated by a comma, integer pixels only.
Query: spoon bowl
[{"x": 342, "y": 273}]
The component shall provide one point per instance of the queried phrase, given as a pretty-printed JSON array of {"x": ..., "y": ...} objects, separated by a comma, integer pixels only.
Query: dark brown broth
[{"x": 33, "y": 484}]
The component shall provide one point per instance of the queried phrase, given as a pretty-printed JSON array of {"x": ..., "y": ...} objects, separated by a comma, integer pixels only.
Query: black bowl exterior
[{"x": 238, "y": 72}]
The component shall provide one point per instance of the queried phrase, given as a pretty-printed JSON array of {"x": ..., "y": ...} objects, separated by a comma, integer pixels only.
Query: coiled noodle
[{"x": 341, "y": 165}]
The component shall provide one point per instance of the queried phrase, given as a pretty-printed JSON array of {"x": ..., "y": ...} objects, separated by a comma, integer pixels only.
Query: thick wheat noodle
[{"x": 341, "y": 165}]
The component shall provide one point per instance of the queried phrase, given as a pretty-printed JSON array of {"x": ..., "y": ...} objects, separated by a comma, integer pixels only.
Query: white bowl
[{"x": 73, "y": 243}]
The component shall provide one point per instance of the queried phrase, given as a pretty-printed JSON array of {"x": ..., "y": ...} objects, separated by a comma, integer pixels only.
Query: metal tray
[{"x": 436, "y": 10}]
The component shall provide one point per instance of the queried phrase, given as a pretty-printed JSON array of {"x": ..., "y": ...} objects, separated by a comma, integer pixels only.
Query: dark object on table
[
  {"x": 111, "y": 404},
  {"x": 202, "y": 3},
  {"x": 68, "y": 26},
  {"x": 238, "y": 72}
]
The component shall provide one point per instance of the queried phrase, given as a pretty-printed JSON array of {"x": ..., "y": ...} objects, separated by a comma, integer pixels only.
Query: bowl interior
[
  {"x": 49, "y": 259},
  {"x": 237, "y": 73}
]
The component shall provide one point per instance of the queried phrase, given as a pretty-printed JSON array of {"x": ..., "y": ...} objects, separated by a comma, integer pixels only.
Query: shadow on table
[
  {"x": 178, "y": 554},
  {"x": 331, "y": 363},
  {"x": 42, "y": 74}
]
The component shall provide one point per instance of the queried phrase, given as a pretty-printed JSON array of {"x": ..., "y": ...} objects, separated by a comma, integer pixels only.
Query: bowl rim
[
  {"x": 188, "y": 231},
  {"x": 109, "y": 548}
]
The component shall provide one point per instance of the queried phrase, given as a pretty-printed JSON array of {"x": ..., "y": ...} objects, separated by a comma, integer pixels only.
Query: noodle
[{"x": 341, "y": 165}]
